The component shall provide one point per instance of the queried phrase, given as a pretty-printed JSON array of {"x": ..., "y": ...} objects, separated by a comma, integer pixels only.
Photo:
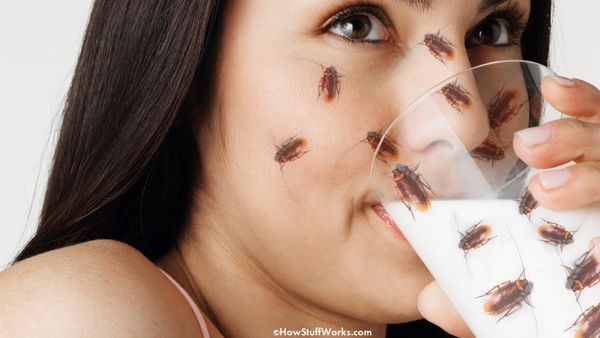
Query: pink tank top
[{"x": 195, "y": 309}]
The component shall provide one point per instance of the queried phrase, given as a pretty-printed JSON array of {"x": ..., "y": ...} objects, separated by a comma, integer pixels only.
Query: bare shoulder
[{"x": 101, "y": 288}]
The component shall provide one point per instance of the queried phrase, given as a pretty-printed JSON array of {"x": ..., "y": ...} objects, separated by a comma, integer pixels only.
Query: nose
[{"x": 451, "y": 117}]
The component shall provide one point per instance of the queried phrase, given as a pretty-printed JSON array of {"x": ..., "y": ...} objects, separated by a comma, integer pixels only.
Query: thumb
[{"x": 435, "y": 306}]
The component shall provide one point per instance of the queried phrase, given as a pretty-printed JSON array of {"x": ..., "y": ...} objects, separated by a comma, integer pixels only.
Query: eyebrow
[{"x": 426, "y": 4}]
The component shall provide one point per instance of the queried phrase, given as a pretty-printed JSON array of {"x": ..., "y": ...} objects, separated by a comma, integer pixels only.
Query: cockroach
[
  {"x": 488, "y": 151},
  {"x": 504, "y": 107},
  {"x": 476, "y": 236},
  {"x": 588, "y": 323},
  {"x": 440, "y": 47},
  {"x": 329, "y": 84},
  {"x": 585, "y": 273},
  {"x": 388, "y": 150},
  {"x": 411, "y": 188},
  {"x": 507, "y": 296},
  {"x": 456, "y": 96},
  {"x": 291, "y": 150},
  {"x": 527, "y": 203},
  {"x": 555, "y": 234}
]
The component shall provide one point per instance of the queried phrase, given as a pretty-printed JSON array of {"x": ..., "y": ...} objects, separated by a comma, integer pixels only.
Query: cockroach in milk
[
  {"x": 507, "y": 296},
  {"x": 555, "y": 234},
  {"x": 527, "y": 203},
  {"x": 412, "y": 188},
  {"x": 457, "y": 96},
  {"x": 475, "y": 237},
  {"x": 440, "y": 47},
  {"x": 588, "y": 323},
  {"x": 329, "y": 84},
  {"x": 489, "y": 151},
  {"x": 584, "y": 274},
  {"x": 388, "y": 150},
  {"x": 504, "y": 106},
  {"x": 292, "y": 149}
]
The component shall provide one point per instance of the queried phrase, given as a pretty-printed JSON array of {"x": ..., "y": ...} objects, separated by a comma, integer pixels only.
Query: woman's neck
[{"x": 240, "y": 298}]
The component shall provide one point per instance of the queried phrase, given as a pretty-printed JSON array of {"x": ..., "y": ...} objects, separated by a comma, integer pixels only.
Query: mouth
[{"x": 388, "y": 221}]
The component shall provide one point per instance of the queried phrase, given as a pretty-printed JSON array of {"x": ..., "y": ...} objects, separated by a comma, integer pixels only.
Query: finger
[
  {"x": 573, "y": 97},
  {"x": 435, "y": 306},
  {"x": 595, "y": 247},
  {"x": 567, "y": 188},
  {"x": 558, "y": 142}
]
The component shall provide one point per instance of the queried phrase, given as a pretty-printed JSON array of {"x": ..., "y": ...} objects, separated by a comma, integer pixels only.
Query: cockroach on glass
[
  {"x": 440, "y": 47},
  {"x": 527, "y": 203},
  {"x": 329, "y": 84},
  {"x": 585, "y": 273},
  {"x": 507, "y": 296},
  {"x": 292, "y": 149},
  {"x": 504, "y": 107},
  {"x": 488, "y": 151},
  {"x": 555, "y": 234},
  {"x": 456, "y": 96},
  {"x": 388, "y": 150},
  {"x": 411, "y": 188},
  {"x": 476, "y": 236},
  {"x": 588, "y": 323}
]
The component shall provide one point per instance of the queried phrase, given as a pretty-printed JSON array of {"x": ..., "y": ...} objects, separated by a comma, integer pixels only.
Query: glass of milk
[{"x": 448, "y": 178}]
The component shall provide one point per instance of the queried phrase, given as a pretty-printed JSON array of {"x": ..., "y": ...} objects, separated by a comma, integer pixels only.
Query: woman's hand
[{"x": 575, "y": 138}]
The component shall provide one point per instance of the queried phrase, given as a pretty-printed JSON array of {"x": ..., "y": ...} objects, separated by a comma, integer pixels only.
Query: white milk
[{"x": 435, "y": 236}]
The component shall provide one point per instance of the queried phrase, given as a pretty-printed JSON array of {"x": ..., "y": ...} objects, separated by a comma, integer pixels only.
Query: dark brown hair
[{"x": 126, "y": 158}]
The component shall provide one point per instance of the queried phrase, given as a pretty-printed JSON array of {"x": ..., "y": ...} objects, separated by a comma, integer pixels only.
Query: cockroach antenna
[{"x": 528, "y": 298}]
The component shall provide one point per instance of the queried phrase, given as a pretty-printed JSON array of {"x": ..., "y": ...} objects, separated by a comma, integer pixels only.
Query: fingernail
[
  {"x": 564, "y": 81},
  {"x": 554, "y": 179},
  {"x": 534, "y": 136}
]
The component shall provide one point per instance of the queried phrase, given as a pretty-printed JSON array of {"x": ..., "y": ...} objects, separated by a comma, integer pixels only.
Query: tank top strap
[{"x": 190, "y": 301}]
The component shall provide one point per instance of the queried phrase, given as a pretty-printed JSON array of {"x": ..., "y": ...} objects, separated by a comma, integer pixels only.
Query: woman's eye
[
  {"x": 494, "y": 31},
  {"x": 362, "y": 27}
]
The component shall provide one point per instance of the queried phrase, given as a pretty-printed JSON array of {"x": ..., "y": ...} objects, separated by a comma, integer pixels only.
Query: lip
[{"x": 388, "y": 221}]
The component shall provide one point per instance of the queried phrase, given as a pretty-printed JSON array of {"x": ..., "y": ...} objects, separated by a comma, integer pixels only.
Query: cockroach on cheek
[
  {"x": 507, "y": 296},
  {"x": 411, "y": 188},
  {"x": 488, "y": 151},
  {"x": 329, "y": 84},
  {"x": 555, "y": 234},
  {"x": 291, "y": 150},
  {"x": 456, "y": 96},
  {"x": 476, "y": 236},
  {"x": 504, "y": 107},
  {"x": 388, "y": 150},
  {"x": 588, "y": 323},
  {"x": 585, "y": 273},
  {"x": 527, "y": 203},
  {"x": 440, "y": 47}
]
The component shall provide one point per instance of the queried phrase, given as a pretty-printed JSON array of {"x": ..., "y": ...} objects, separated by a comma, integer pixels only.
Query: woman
[{"x": 167, "y": 145}]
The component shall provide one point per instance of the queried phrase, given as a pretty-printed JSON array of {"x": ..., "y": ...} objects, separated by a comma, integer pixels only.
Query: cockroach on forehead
[
  {"x": 388, "y": 150},
  {"x": 507, "y": 296},
  {"x": 488, "y": 151},
  {"x": 456, "y": 96},
  {"x": 329, "y": 84},
  {"x": 585, "y": 273},
  {"x": 504, "y": 107},
  {"x": 527, "y": 203},
  {"x": 411, "y": 188},
  {"x": 476, "y": 236},
  {"x": 440, "y": 47},
  {"x": 292, "y": 149},
  {"x": 588, "y": 323}
]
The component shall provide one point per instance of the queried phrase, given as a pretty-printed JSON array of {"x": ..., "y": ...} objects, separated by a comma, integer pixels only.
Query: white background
[{"x": 39, "y": 45}]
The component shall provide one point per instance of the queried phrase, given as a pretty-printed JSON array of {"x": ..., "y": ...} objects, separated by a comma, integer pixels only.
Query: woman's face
[{"x": 299, "y": 85}]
